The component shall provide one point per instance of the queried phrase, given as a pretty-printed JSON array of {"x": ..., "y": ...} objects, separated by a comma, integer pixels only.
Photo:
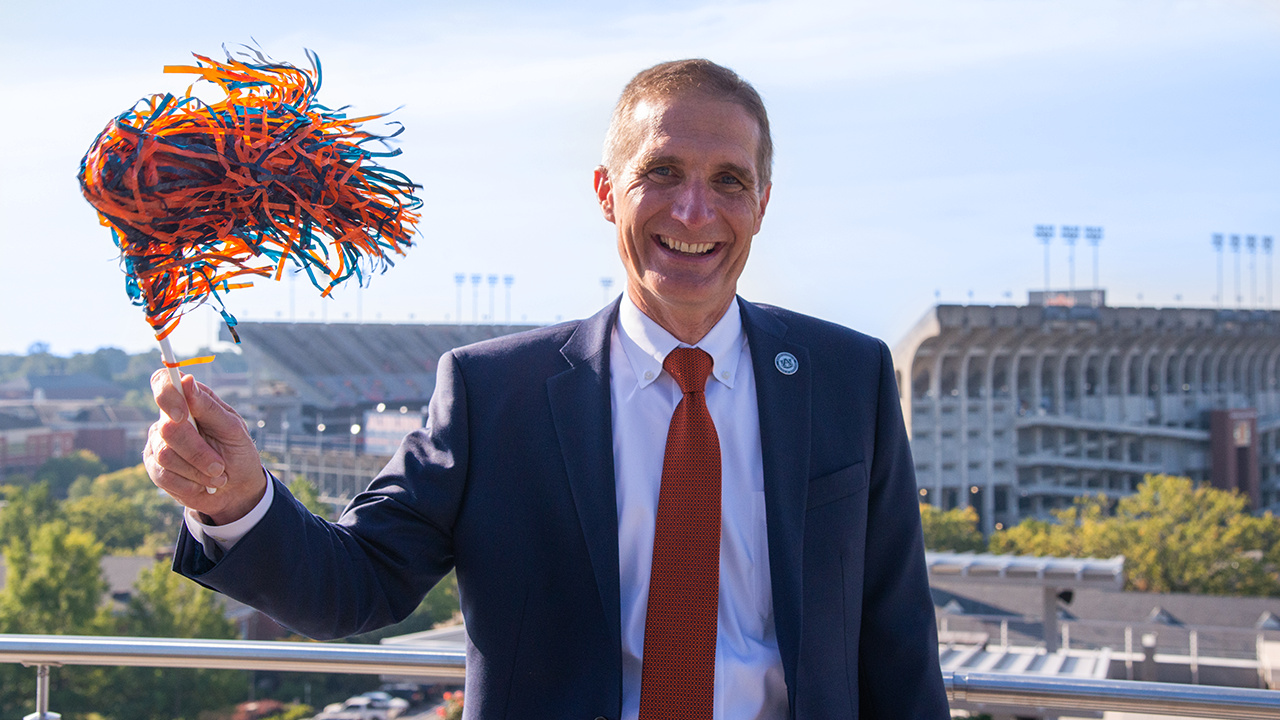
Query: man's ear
[{"x": 604, "y": 192}]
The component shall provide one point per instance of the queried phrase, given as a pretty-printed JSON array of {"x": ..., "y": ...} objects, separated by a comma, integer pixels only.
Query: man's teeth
[{"x": 691, "y": 248}]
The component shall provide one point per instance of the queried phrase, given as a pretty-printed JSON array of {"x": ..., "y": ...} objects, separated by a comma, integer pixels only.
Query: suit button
[{"x": 602, "y": 718}]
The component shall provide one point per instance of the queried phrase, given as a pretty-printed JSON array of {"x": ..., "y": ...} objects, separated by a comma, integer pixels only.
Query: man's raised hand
[{"x": 221, "y": 455}]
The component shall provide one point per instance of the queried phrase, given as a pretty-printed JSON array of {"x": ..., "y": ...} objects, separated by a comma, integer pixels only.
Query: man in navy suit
[{"x": 539, "y": 471}]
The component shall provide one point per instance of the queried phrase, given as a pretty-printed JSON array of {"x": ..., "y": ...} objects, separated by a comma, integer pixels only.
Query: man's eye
[
  {"x": 661, "y": 171},
  {"x": 730, "y": 180}
]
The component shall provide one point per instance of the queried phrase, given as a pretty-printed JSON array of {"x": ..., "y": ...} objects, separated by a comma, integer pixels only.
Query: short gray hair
[{"x": 680, "y": 77}]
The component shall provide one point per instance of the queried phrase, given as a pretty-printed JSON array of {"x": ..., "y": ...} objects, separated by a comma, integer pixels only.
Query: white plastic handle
[{"x": 171, "y": 363}]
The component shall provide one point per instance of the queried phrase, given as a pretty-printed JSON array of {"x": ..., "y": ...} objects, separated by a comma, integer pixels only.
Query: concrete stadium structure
[
  {"x": 300, "y": 369},
  {"x": 331, "y": 401},
  {"x": 1015, "y": 410}
]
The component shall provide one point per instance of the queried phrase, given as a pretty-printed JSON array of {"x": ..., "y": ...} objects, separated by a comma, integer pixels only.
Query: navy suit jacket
[{"x": 512, "y": 483}]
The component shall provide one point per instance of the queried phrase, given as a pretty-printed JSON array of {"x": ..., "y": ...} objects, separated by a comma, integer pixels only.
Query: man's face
[{"x": 686, "y": 205}]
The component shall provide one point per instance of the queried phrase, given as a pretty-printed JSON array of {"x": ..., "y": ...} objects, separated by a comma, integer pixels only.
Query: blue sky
[{"x": 918, "y": 144}]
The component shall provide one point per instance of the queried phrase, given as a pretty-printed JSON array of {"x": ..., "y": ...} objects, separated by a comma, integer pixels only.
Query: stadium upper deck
[
  {"x": 328, "y": 366},
  {"x": 1014, "y": 410}
]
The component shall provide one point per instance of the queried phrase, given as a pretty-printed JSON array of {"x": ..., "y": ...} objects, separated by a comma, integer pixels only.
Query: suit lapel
[
  {"x": 581, "y": 408},
  {"x": 784, "y": 405}
]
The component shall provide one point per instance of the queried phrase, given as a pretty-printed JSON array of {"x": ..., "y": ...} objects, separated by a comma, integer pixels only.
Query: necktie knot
[{"x": 690, "y": 367}]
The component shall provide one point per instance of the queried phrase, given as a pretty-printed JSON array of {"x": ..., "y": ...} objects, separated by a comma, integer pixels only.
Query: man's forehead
[
  {"x": 652, "y": 110},
  {"x": 658, "y": 119}
]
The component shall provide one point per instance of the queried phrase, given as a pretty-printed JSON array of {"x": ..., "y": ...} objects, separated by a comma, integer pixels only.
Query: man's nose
[{"x": 693, "y": 205}]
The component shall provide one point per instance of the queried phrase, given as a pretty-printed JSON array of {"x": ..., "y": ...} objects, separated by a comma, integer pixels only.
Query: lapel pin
[{"x": 786, "y": 363}]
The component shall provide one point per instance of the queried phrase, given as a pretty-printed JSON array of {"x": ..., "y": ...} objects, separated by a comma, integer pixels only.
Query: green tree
[
  {"x": 26, "y": 508},
  {"x": 53, "y": 582},
  {"x": 102, "y": 363},
  {"x": 147, "y": 517},
  {"x": 166, "y": 604},
  {"x": 137, "y": 375},
  {"x": 294, "y": 712},
  {"x": 118, "y": 523},
  {"x": 955, "y": 530},
  {"x": 305, "y": 492},
  {"x": 53, "y": 585},
  {"x": 39, "y": 361},
  {"x": 1175, "y": 538},
  {"x": 62, "y": 472},
  {"x": 141, "y": 399}
]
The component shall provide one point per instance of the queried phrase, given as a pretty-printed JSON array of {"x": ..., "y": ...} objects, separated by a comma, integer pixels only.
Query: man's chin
[{"x": 687, "y": 298}]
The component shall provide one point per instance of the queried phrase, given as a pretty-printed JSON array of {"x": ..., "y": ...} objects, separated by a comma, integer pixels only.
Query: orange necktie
[{"x": 679, "y": 668}]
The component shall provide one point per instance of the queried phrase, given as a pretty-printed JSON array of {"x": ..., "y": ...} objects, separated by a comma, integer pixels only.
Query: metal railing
[
  {"x": 1055, "y": 693},
  {"x": 45, "y": 651}
]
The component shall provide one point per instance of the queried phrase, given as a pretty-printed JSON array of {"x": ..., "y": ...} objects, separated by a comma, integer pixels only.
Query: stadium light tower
[
  {"x": 1217, "y": 246},
  {"x": 1071, "y": 233},
  {"x": 507, "y": 282},
  {"x": 459, "y": 279},
  {"x": 1094, "y": 236},
  {"x": 605, "y": 284},
  {"x": 1235, "y": 248},
  {"x": 493, "y": 285},
  {"x": 1251, "y": 242},
  {"x": 475, "y": 298},
  {"x": 1266, "y": 248},
  {"x": 1045, "y": 234}
]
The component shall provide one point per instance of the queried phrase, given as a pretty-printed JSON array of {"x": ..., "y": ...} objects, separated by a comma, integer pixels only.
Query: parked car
[
  {"x": 374, "y": 705},
  {"x": 406, "y": 691},
  {"x": 257, "y": 709}
]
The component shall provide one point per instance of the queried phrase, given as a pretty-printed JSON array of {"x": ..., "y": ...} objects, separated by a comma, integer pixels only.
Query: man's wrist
[
  {"x": 224, "y": 537},
  {"x": 231, "y": 514}
]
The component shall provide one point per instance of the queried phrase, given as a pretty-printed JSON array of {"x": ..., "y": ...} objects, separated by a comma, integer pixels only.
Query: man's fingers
[
  {"x": 168, "y": 398},
  {"x": 181, "y": 448},
  {"x": 172, "y": 462},
  {"x": 171, "y": 472},
  {"x": 214, "y": 416},
  {"x": 189, "y": 463},
  {"x": 180, "y": 488}
]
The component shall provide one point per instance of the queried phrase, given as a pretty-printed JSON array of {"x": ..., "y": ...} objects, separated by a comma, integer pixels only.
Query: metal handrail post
[{"x": 42, "y": 696}]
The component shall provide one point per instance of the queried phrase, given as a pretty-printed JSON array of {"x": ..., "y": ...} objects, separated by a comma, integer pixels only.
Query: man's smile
[{"x": 686, "y": 248}]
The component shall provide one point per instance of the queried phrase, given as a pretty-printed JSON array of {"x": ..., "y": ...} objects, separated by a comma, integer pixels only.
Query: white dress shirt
[{"x": 749, "y": 683}]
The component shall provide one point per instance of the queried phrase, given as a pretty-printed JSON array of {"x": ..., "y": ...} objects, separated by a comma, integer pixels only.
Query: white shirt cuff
[{"x": 218, "y": 539}]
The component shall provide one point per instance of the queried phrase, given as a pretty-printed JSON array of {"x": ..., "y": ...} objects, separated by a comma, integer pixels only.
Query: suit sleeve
[
  {"x": 374, "y": 565},
  {"x": 899, "y": 675}
]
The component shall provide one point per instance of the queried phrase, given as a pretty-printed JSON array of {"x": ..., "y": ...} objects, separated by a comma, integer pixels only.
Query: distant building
[
  {"x": 1015, "y": 410},
  {"x": 74, "y": 386},
  {"x": 26, "y": 442},
  {"x": 301, "y": 373},
  {"x": 332, "y": 401},
  {"x": 33, "y": 431}
]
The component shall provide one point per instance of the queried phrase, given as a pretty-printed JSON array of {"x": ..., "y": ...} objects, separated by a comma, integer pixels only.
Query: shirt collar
[{"x": 647, "y": 343}]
